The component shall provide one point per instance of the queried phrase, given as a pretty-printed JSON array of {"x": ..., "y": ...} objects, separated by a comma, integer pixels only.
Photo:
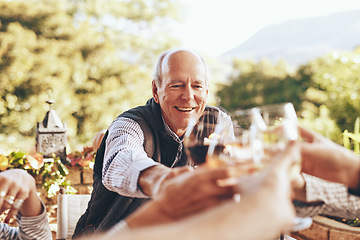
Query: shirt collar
[{"x": 171, "y": 132}]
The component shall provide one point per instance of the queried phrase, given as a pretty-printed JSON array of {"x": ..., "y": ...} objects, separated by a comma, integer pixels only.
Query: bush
[{"x": 51, "y": 173}]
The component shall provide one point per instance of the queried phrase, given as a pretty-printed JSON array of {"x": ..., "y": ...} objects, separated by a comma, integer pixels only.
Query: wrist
[
  {"x": 300, "y": 189},
  {"x": 32, "y": 205},
  {"x": 353, "y": 172},
  {"x": 150, "y": 179}
]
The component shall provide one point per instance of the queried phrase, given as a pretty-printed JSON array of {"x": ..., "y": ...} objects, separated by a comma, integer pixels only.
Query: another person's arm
[
  {"x": 322, "y": 158},
  {"x": 327, "y": 160},
  {"x": 327, "y": 198},
  {"x": 182, "y": 196},
  {"x": 34, "y": 227},
  {"x": 7, "y": 232},
  {"x": 30, "y": 212}
]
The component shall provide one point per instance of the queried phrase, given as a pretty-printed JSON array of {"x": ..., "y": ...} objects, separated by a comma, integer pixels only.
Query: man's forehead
[
  {"x": 180, "y": 53},
  {"x": 178, "y": 80}
]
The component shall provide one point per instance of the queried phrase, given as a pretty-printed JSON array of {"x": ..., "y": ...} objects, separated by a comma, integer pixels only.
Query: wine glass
[
  {"x": 275, "y": 126},
  {"x": 243, "y": 149},
  {"x": 221, "y": 142},
  {"x": 224, "y": 142},
  {"x": 205, "y": 137}
]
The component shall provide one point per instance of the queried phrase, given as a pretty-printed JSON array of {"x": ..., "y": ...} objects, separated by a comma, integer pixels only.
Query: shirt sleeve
[
  {"x": 7, "y": 232},
  {"x": 36, "y": 227},
  {"x": 328, "y": 198},
  {"x": 125, "y": 158}
]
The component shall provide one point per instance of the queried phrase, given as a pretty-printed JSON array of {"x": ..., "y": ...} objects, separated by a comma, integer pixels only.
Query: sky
[{"x": 212, "y": 27}]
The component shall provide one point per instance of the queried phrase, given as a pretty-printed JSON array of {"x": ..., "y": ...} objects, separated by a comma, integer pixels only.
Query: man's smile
[{"x": 185, "y": 109}]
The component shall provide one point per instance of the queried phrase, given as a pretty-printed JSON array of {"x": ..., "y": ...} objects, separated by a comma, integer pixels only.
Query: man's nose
[{"x": 188, "y": 93}]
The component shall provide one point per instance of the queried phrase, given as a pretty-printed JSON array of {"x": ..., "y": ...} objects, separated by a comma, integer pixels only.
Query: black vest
[{"x": 105, "y": 207}]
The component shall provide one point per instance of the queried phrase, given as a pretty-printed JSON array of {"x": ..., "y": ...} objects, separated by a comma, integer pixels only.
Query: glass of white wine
[
  {"x": 242, "y": 149},
  {"x": 276, "y": 126}
]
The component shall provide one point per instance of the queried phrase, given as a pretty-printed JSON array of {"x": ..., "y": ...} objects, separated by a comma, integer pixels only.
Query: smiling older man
[{"x": 143, "y": 146}]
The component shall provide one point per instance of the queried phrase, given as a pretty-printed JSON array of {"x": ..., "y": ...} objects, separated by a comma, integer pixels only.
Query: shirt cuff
[
  {"x": 313, "y": 193},
  {"x": 140, "y": 166},
  {"x": 36, "y": 227}
]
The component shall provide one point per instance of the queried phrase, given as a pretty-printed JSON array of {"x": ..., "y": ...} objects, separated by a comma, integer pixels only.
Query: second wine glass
[{"x": 276, "y": 126}]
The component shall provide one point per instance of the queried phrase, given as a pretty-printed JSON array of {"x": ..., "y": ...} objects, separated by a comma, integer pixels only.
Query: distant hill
[{"x": 298, "y": 41}]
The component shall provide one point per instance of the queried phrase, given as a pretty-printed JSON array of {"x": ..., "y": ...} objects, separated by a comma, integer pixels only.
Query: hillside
[{"x": 298, "y": 41}]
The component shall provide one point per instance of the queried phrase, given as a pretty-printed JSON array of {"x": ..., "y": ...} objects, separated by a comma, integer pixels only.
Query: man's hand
[{"x": 171, "y": 174}]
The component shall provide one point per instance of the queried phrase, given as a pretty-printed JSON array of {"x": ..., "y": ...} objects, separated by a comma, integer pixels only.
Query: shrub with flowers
[
  {"x": 51, "y": 173},
  {"x": 83, "y": 159}
]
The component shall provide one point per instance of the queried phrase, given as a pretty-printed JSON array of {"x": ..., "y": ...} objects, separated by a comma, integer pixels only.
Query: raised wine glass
[
  {"x": 206, "y": 135},
  {"x": 276, "y": 126}
]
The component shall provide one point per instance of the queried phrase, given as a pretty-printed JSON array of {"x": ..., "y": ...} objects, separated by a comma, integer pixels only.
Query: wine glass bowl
[
  {"x": 276, "y": 126},
  {"x": 204, "y": 135}
]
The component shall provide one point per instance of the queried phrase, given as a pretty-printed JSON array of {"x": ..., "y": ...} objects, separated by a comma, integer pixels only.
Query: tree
[
  {"x": 93, "y": 71},
  {"x": 253, "y": 84},
  {"x": 325, "y": 91},
  {"x": 335, "y": 84}
]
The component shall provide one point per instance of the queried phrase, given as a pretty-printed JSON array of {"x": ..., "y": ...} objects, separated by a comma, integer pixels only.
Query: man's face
[{"x": 183, "y": 90}]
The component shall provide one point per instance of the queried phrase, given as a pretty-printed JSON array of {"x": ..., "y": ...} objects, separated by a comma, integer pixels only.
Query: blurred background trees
[
  {"x": 325, "y": 92},
  {"x": 96, "y": 60}
]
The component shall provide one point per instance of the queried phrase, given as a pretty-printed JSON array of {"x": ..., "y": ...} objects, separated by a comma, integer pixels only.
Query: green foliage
[
  {"x": 319, "y": 120},
  {"x": 335, "y": 83},
  {"x": 95, "y": 69},
  {"x": 51, "y": 174},
  {"x": 351, "y": 222},
  {"x": 352, "y": 140},
  {"x": 325, "y": 92},
  {"x": 254, "y": 84}
]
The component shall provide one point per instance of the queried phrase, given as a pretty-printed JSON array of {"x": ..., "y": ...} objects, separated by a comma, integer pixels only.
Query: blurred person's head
[{"x": 97, "y": 139}]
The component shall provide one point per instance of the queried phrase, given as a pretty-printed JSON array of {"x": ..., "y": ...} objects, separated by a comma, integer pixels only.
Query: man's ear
[{"x": 155, "y": 91}]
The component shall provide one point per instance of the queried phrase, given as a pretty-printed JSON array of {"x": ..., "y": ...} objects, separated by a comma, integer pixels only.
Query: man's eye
[
  {"x": 176, "y": 86},
  {"x": 198, "y": 86}
]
